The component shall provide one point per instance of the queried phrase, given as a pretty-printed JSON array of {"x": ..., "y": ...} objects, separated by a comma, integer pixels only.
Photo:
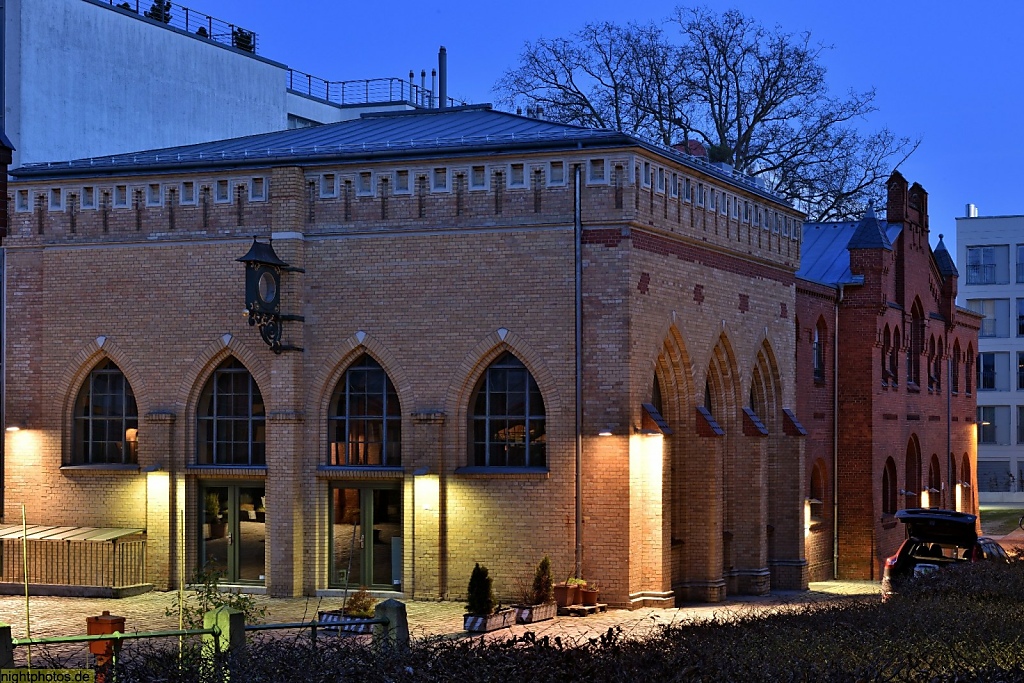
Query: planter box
[
  {"x": 491, "y": 622},
  {"x": 527, "y": 614},
  {"x": 339, "y": 622}
]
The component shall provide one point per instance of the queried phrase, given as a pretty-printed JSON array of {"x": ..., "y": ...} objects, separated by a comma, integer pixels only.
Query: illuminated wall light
[
  {"x": 427, "y": 490},
  {"x": 607, "y": 431},
  {"x": 807, "y": 517},
  {"x": 925, "y": 499},
  {"x": 959, "y": 497}
]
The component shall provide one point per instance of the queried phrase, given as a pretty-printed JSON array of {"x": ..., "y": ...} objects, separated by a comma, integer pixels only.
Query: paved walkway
[{"x": 61, "y": 616}]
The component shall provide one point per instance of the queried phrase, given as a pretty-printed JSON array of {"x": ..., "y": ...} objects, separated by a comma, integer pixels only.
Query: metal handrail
[
  {"x": 195, "y": 22},
  {"x": 359, "y": 91},
  {"x": 116, "y": 635}
]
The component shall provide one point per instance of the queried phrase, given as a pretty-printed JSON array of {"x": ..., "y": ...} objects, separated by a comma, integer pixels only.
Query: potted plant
[
  {"x": 218, "y": 527},
  {"x": 538, "y": 600},
  {"x": 588, "y": 594},
  {"x": 482, "y": 611},
  {"x": 567, "y": 593},
  {"x": 357, "y": 607}
]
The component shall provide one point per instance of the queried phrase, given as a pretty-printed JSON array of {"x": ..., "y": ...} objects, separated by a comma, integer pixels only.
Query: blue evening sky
[{"x": 947, "y": 72}]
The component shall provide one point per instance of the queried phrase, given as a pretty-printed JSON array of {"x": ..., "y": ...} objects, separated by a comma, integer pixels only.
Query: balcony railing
[
  {"x": 192, "y": 21},
  {"x": 364, "y": 91}
]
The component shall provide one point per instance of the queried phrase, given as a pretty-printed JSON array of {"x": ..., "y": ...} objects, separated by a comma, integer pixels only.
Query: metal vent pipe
[{"x": 442, "y": 73}]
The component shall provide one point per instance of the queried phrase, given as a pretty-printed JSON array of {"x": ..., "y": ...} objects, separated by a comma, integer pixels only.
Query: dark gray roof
[
  {"x": 944, "y": 261},
  {"x": 870, "y": 234},
  {"x": 825, "y": 250},
  {"x": 419, "y": 133},
  {"x": 407, "y": 132}
]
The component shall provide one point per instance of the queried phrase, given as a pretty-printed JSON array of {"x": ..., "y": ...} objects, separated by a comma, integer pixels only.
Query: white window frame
[
  {"x": 194, "y": 192},
  {"x": 471, "y": 180},
  {"x": 444, "y": 174},
  {"x": 88, "y": 191},
  {"x": 121, "y": 197},
  {"x": 645, "y": 174},
  {"x": 157, "y": 199},
  {"x": 597, "y": 164},
  {"x": 400, "y": 173},
  {"x": 552, "y": 165},
  {"x": 510, "y": 182},
  {"x": 226, "y": 197},
  {"x": 58, "y": 193},
  {"x": 328, "y": 184},
  {"x": 701, "y": 194},
  {"x": 724, "y": 202},
  {"x": 261, "y": 182},
  {"x": 23, "y": 201},
  {"x": 661, "y": 180},
  {"x": 365, "y": 184},
  {"x": 673, "y": 187},
  {"x": 687, "y": 190}
]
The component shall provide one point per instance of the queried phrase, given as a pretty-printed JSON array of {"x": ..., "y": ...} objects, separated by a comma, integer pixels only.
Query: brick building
[
  {"x": 877, "y": 318},
  {"x": 422, "y": 415}
]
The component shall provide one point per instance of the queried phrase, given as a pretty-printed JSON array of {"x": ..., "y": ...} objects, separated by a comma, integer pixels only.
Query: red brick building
[
  {"x": 885, "y": 370},
  {"x": 423, "y": 415}
]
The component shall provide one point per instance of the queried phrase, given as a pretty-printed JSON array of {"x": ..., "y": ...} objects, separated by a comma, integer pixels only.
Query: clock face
[{"x": 267, "y": 287}]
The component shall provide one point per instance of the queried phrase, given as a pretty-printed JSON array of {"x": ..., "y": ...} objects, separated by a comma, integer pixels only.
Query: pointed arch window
[
  {"x": 231, "y": 419},
  {"x": 106, "y": 419},
  {"x": 889, "y": 488},
  {"x": 365, "y": 422},
  {"x": 819, "y": 351},
  {"x": 507, "y": 419},
  {"x": 955, "y": 369}
]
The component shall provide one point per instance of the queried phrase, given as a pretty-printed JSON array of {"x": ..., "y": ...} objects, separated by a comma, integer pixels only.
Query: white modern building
[
  {"x": 86, "y": 78},
  {"x": 992, "y": 247}
]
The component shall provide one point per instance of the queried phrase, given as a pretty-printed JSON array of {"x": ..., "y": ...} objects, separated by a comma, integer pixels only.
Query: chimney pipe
[
  {"x": 442, "y": 87},
  {"x": 423, "y": 87},
  {"x": 972, "y": 211},
  {"x": 433, "y": 88}
]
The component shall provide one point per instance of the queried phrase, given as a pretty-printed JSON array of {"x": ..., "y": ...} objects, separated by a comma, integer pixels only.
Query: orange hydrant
[{"x": 104, "y": 650}]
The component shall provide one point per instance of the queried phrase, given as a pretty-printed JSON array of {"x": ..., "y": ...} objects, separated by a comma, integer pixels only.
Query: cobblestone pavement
[{"x": 62, "y": 616}]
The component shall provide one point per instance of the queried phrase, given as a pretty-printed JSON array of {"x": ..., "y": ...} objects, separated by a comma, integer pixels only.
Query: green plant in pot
[
  {"x": 218, "y": 527},
  {"x": 538, "y": 600},
  {"x": 482, "y": 610}
]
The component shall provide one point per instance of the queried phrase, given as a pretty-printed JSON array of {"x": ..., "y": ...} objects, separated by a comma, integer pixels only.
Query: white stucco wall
[{"x": 83, "y": 80}]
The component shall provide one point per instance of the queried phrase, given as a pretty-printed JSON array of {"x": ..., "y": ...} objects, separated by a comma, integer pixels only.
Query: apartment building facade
[{"x": 992, "y": 247}]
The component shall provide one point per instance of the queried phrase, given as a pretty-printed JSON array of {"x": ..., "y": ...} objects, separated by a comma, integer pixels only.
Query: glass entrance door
[
  {"x": 234, "y": 531},
  {"x": 366, "y": 537}
]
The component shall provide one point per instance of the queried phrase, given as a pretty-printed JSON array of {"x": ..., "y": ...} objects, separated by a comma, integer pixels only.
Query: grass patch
[{"x": 999, "y": 521}]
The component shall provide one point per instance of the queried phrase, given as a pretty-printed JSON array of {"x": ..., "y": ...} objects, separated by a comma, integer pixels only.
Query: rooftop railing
[
  {"x": 365, "y": 91},
  {"x": 191, "y": 21}
]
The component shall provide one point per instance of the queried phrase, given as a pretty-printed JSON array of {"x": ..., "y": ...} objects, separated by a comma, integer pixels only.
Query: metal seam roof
[{"x": 413, "y": 133}]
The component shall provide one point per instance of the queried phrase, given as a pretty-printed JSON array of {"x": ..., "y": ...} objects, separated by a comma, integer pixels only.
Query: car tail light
[{"x": 890, "y": 561}]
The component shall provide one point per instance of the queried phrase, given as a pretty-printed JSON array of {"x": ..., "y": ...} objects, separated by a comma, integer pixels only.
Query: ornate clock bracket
[{"x": 263, "y": 270}]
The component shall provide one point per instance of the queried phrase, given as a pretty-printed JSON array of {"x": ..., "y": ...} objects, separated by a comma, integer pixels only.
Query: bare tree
[{"x": 757, "y": 98}]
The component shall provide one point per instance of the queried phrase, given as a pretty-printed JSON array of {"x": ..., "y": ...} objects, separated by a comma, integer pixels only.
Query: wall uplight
[{"x": 607, "y": 431}]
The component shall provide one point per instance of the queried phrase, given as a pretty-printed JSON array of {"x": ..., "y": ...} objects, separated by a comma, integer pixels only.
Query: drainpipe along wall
[
  {"x": 578, "y": 238},
  {"x": 835, "y": 438}
]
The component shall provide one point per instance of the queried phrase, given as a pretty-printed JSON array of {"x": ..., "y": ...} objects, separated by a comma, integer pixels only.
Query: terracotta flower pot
[
  {"x": 566, "y": 594},
  {"x": 589, "y": 596}
]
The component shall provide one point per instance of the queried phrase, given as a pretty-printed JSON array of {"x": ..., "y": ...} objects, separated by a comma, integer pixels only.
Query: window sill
[
  {"x": 358, "y": 472},
  {"x": 112, "y": 468},
  {"x": 913, "y": 388},
  {"x": 503, "y": 472}
]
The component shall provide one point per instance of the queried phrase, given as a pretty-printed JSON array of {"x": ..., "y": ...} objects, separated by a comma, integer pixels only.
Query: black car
[{"x": 936, "y": 539}]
